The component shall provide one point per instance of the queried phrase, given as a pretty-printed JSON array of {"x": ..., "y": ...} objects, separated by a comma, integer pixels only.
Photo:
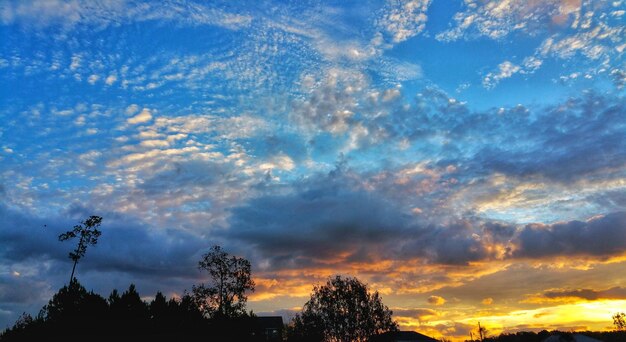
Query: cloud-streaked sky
[{"x": 467, "y": 159}]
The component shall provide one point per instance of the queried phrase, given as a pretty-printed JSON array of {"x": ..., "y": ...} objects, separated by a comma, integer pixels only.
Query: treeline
[
  {"x": 341, "y": 310},
  {"x": 74, "y": 313},
  {"x": 529, "y": 336}
]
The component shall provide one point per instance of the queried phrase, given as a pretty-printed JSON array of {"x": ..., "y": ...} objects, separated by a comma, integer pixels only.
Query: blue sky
[{"x": 423, "y": 146}]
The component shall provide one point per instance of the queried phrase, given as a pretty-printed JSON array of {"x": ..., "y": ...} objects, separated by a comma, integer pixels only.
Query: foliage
[
  {"x": 342, "y": 310},
  {"x": 88, "y": 234},
  {"x": 225, "y": 295}
]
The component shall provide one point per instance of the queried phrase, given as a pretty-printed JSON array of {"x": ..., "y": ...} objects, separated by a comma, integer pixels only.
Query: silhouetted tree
[
  {"x": 130, "y": 312},
  {"x": 73, "y": 311},
  {"x": 88, "y": 234},
  {"x": 619, "y": 321},
  {"x": 158, "y": 308},
  {"x": 342, "y": 310},
  {"x": 225, "y": 295},
  {"x": 482, "y": 332}
]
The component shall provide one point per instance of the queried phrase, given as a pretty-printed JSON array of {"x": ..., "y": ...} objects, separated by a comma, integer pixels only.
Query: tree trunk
[{"x": 73, "y": 269}]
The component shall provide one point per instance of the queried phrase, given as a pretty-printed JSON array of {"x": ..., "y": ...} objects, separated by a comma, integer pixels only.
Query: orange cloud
[{"x": 436, "y": 300}]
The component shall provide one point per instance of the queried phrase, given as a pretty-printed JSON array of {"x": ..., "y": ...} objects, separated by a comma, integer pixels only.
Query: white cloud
[
  {"x": 80, "y": 120},
  {"x": 65, "y": 112},
  {"x": 236, "y": 127},
  {"x": 155, "y": 143},
  {"x": 280, "y": 162},
  {"x": 132, "y": 109},
  {"x": 506, "y": 69},
  {"x": 110, "y": 79},
  {"x": 498, "y": 18},
  {"x": 142, "y": 117},
  {"x": 404, "y": 19},
  {"x": 68, "y": 14},
  {"x": 75, "y": 64},
  {"x": 93, "y": 79}
]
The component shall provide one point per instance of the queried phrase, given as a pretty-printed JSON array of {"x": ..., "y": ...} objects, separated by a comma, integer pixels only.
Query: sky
[{"x": 466, "y": 159}]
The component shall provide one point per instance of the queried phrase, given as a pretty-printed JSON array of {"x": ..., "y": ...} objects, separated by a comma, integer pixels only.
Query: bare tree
[
  {"x": 88, "y": 234},
  {"x": 225, "y": 296}
]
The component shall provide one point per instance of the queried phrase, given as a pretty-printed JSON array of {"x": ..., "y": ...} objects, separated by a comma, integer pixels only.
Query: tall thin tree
[{"x": 88, "y": 234}]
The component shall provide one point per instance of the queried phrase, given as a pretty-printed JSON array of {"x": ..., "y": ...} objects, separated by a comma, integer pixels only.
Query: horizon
[{"x": 465, "y": 159}]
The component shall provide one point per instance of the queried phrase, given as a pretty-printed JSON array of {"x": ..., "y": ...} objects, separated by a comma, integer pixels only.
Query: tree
[
  {"x": 73, "y": 311},
  {"x": 482, "y": 332},
  {"x": 619, "y": 321},
  {"x": 342, "y": 310},
  {"x": 225, "y": 296},
  {"x": 88, "y": 234}
]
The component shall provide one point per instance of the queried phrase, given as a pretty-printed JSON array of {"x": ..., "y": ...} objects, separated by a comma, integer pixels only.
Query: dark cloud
[
  {"x": 320, "y": 219},
  {"x": 333, "y": 218},
  {"x": 588, "y": 294},
  {"x": 181, "y": 175},
  {"x": 419, "y": 313},
  {"x": 599, "y": 236},
  {"x": 341, "y": 218},
  {"x": 563, "y": 143},
  {"x": 18, "y": 289},
  {"x": 128, "y": 251},
  {"x": 436, "y": 300},
  {"x": 125, "y": 246}
]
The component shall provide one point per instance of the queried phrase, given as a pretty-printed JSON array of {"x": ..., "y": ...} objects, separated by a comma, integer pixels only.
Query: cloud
[
  {"x": 505, "y": 70},
  {"x": 404, "y": 19},
  {"x": 331, "y": 106},
  {"x": 230, "y": 128},
  {"x": 93, "y": 79},
  {"x": 45, "y": 13},
  {"x": 110, "y": 79},
  {"x": 436, "y": 300},
  {"x": 333, "y": 219},
  {"x": 575, "y": 28},
  {"x": 131, "y": 109},
  {"x": 125, "y": 245},
  {"x": 321, "y": 221},
  {"x": 421, "y": 314},
  {"x": 604, "y": 235},
  {"x": 127, "y": 251},
  {"x": 588, "y": 294},
  {"x": 497, "y": 19},
  {"x": 546, "y": 139},
  {"x": 140, "y": 118}
]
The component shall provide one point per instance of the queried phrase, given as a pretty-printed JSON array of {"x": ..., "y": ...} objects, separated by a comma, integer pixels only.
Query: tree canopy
[
  {"x": 225, "y": 294},
  {"x": 342, "y": 310},
  {"x": 88, "y": 234}
]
